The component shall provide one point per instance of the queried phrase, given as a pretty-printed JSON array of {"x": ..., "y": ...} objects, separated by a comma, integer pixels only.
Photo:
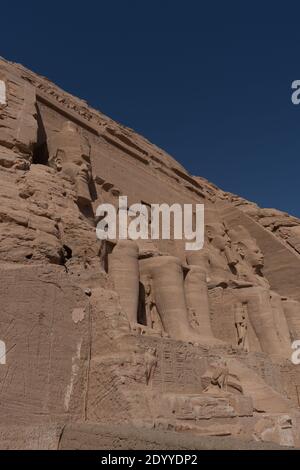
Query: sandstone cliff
[{"x": 119, "y": 342}]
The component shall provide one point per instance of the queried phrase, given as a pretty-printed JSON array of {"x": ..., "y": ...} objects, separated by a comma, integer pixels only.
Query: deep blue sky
[{"x": 210, "y": 82}]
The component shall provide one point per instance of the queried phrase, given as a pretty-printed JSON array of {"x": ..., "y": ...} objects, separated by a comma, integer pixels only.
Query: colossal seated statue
[
  {"x": 249, "y": 287},
  {"x": 232, "y": 260},
  {"x": 264, "y": 306},
  {"x": 163, "y": 290},
  {"x": 180, "y": 308}
]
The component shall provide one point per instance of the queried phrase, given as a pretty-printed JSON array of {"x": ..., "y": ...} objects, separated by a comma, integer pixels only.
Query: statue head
[
  {"x": 247, "y": 247},
  {"x": 69, "y": 153},
  {"x": 253, "y": 254},
  {"x": 217, "y": 235}
]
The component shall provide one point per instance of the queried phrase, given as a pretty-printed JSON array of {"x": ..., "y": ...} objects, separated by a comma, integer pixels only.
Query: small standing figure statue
[
  {"x": 149, "y": 302},
  {"x": 150, "y": 305},
  {"x": 241, "y": 326},
  {"x": 150, "y": 364}
]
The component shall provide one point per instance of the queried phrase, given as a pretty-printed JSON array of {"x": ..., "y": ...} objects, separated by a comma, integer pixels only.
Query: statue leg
[
  {"x": 167, "y": 278},
  {"x": 196, "y": 292},
  {"x": 261, "y": 316},
  {"x": 124, "y": 269},
  {"x": 281, "y": 324}
]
